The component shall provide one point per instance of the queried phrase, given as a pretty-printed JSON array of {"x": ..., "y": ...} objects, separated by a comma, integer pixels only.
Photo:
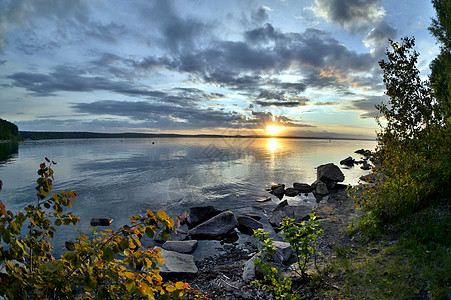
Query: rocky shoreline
[{"x": 213, "y": 250}]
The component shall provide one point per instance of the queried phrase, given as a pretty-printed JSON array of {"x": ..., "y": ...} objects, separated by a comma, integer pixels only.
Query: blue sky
[{"x": 222, "y": 67}]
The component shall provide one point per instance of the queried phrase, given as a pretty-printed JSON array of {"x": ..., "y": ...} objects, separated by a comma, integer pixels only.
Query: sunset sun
[{"x": 273, "y": 129}]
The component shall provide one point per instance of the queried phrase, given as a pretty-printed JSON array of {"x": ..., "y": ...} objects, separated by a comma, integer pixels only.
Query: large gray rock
[
  {"x": 303, "y": 187},
  {"x": 200, "y": 214},
  {"x": 298, "y": 213},
  {"x": 249, "y": 269},
  {"x": 177, "y": 263},
  {"x": 181, "y": 246},
  {"x": 215, "y": 227},
  {"x": 329, "y": 172}
]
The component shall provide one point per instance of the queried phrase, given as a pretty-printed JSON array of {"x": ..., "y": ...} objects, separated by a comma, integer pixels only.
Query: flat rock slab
[
  {"x": 215, "y": 227},
  {"x": 181, "y": 246},
  {"x": 177, "y": 263}
]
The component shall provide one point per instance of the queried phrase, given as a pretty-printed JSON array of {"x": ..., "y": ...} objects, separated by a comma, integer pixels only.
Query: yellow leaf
[
  {"x": 180, "y": 285},
  {"x": 130, "y": 275},
  {"x": 162, "y": 215}
]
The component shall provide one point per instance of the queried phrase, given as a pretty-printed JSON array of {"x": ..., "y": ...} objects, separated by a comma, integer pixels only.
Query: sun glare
[{"x": 272, "y": 129}]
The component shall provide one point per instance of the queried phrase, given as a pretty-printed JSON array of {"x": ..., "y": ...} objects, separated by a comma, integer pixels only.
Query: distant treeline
[
  {"x": 38, "y": 135},
  {"x": 9, "y": 131}
]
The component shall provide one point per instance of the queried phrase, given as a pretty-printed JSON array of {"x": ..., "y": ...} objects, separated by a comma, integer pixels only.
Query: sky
[{"x": 203, "y": 67}]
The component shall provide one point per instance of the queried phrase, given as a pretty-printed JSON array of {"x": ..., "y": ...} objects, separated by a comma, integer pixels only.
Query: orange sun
[{"x": 273, "y": 129}]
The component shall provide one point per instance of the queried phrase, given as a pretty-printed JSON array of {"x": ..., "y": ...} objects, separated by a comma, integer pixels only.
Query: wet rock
[
  {"x": 366, "y": 166},
  {"x": 277, "y": 185},
  {"x": 181, "y": 246},
  {"x": 279, "y": 192},
  {"x": 348, "y": 161},
  {"x": 291, "y": 192},
  {"x": 247, "y": 224},
  {"x": 263, "y": 199},
  {"x": 200, "y": 214},
  {"x": 329, "y": 172},
  {"x": 101, "y": 221},
  {"x": 215, "y": 227},
  {"x": 303, "y": 187},
  {"x": 177, "y": 263}
]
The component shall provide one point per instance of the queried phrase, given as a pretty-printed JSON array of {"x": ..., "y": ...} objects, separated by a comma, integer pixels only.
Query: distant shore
[{"x": 50, "y": 135}]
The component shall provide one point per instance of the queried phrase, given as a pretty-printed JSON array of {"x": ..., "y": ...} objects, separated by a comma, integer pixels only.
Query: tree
[
  {"x": 440, "y": 77},
  {"x": 410, "y": 109}
]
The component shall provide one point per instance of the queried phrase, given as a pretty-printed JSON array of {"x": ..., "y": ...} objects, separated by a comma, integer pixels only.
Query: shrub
[{"x": 109, "y": 265}]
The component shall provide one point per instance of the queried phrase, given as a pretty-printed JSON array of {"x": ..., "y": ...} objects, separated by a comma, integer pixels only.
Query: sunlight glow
[{"x": 273, "y": 129}]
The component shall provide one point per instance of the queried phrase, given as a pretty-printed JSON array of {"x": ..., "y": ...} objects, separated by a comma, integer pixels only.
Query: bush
[{"x": 111, "y": 265}]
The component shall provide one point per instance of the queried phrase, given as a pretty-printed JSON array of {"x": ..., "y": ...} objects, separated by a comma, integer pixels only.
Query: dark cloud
[
  {"x": 160, "y": 115},
  {"x": 279, "y": 103},
  {"x": 354, "y": 15},
  {"x": 327, "y": 103},
  {"x": 378, "y": 37},
  {"x": 367, "y": 106}
]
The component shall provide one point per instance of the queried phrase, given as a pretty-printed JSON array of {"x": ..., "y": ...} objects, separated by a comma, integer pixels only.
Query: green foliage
[
  {"x": 302, "y": 238},
  {"x": 111, "y": 265},
  {"x": 441, "y": 66},
  {"x": 414, "y": 149},
  {"x": 9, "y": 131}
]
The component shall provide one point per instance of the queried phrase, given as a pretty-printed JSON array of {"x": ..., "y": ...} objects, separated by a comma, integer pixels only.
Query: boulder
[
  {"x": 348, "y": 161},
  {"x": 215, "y": 227},
  {"x": 101, "y": 221},
  {"x": 200, "y": 214},
  {"x": 181, "y": 246},
  {"x": 177, "y": 263},
  {"x": 291, "y": 192},
  {"x": 279, "y": 192},
  {"x": 298, "y": 213},
  {"x": 329, "y": 172},
  {"x": 303, "y": 187},
  {"x": 247, "y": 224}
]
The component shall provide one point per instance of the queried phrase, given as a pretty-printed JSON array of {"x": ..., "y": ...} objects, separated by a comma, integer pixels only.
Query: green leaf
[
  {"x": 70, "y": 245},
  {"x": 150, "y": 232},
  {"x": 108, "y": 254},
  {"x": 58, "y": 222}
]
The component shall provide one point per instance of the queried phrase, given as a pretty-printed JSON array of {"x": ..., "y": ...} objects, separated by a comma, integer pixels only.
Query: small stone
[{"x": 101, "y": 221}]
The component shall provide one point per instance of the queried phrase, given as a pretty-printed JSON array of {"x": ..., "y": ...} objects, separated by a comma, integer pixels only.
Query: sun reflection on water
[{"x": 272, "y": 145}]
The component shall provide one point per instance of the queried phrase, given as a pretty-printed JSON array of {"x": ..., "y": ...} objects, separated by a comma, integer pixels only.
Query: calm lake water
[{"x": 118, "y": 178}]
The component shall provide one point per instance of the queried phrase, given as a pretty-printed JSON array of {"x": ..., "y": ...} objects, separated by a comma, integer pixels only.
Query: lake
[{"x": 118, "y": 178}]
